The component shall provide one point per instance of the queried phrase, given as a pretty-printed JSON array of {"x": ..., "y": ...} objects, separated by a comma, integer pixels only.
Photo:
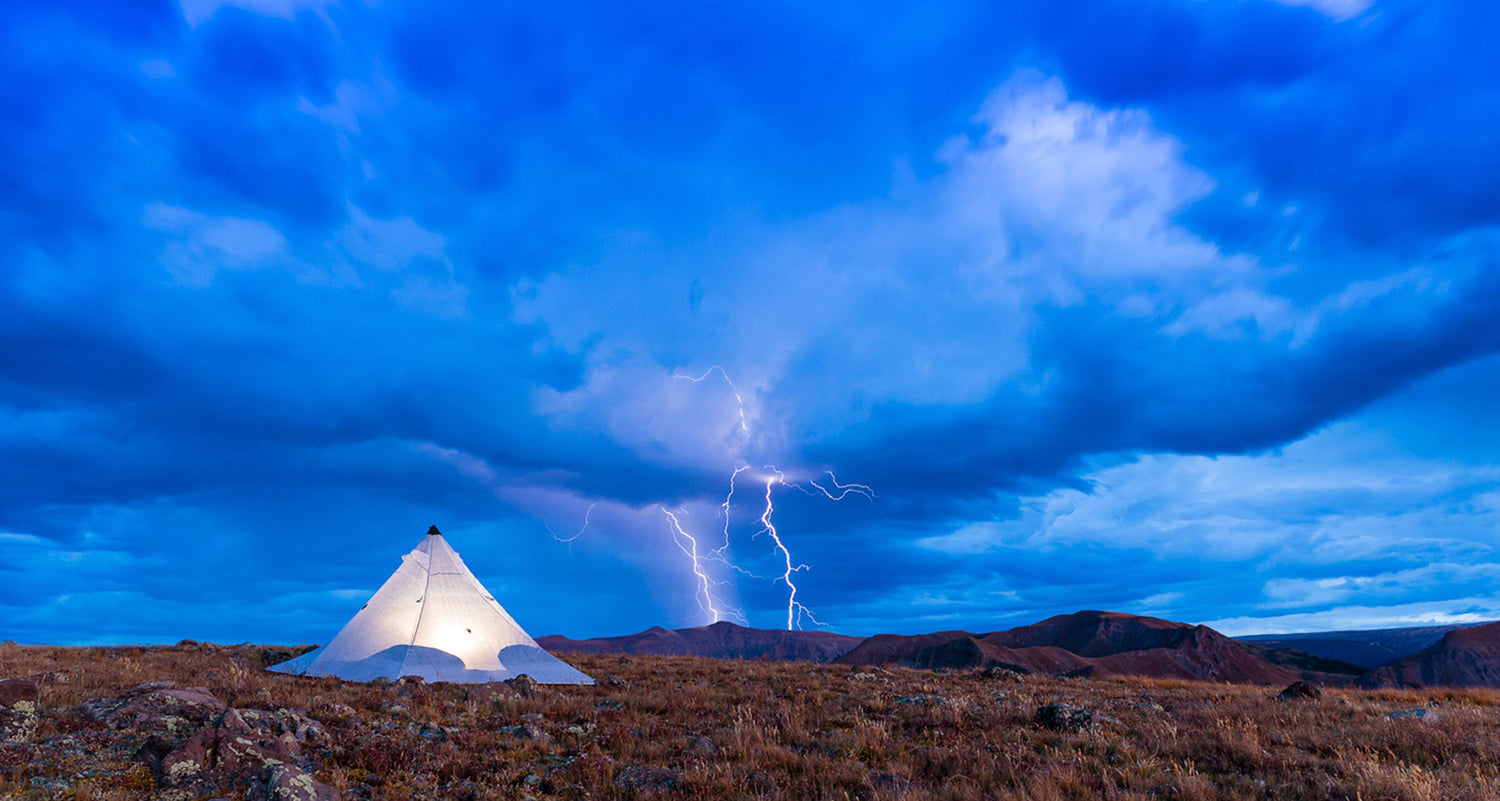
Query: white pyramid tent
[{"x": 433, "y": 619}]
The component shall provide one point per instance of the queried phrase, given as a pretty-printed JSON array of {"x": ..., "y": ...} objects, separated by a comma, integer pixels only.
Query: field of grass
[{"x": 674, "y": 727}]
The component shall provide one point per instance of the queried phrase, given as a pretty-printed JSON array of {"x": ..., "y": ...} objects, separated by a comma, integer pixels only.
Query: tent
[{"x": 433, "y": 619}]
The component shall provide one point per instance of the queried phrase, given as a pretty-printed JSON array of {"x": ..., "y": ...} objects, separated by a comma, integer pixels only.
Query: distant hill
[
  {"x": 1097, "y": 643},
  {"x": 1369, "y": 649},
  {"x": 1466, "y": 657},
  {"x": 722, "y": 640}
]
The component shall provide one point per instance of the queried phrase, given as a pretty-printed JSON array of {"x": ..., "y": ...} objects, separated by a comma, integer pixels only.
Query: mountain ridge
[{"x": 1096, "y": 643}]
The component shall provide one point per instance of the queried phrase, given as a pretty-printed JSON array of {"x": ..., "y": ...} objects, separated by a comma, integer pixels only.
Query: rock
[
  {"x": 15, "y": 691},
  {"x": 303, "y": 729},
  {"x": 616, "y": 681},
  {"x": 703, "y": 745},
  {"x": 448, "y": 691},
  {"x": 524, "y": 684},
  {"x": 148, "y": 687},
  {"x": 337, "y": 713},
  {"x": 649, "y": 778},
  {"x": 291, "y": 783},
  {"x": 490, "y": 693},
  {"x": 187, "y": 763},
  {"x": 159, "y": 707},
  {"x": 239, "y": 755},
  {"x": 525, "y": 731},
  {"x": 253, "y": 751},
  {"x": 49, "y": 678},
  {"x": 18, "y": 711},
  {"x": 1412, "y": 714},
  {"x": 891, "y": 783},
  {"x": 395, "y": 710},
  {"x": 920, "y": 699},
  {"x": 1062, "y": 717},
  {"x": 1299, "y": 690},
  {"x": 153, "y": 751}
]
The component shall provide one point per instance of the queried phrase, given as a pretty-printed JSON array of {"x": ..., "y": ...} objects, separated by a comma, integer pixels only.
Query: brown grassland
[{"x": 727, "y": 729}]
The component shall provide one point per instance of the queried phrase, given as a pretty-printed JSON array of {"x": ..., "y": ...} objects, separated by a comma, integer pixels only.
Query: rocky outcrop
[
  {"x": 1063, "y": 717},
  {"x": 199, "y": 746},
  {"x": 18, "y": 710},
  {"x": 160, "y": 707},
  {"x": 1299, "y": 691}
]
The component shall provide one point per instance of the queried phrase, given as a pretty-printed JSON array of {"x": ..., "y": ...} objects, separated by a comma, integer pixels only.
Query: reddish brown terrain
[
  {"x": 722, "y": 640},
  {"x": 1094, "y": 643},
  {"x": 1088, "y": 643},
  {"x": 1467, "y": 657},
  {"x": 202, "y": 721}
]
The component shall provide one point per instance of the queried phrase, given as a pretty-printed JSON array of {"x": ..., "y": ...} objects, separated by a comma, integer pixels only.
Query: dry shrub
[{"x": 730, "y": 729}]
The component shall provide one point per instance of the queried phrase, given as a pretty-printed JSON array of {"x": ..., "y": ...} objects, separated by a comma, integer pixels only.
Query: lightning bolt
[
  {"x": 705, "y": 584},
  {"x": 579, "y": 533},
  {"x": 718, "y": 554},
  {"x": 796, "y": 612},
  {"x": 738, "y": 401},
  {"x": 844, "y": 490},
  {"x": 767, "y": 527}
]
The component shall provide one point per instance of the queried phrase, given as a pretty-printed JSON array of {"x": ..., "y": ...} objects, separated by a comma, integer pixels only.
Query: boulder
[
  {"x": 18, "y": 710},
  {"x": 299, "y": 726},
  {"x": 1299, "y": 690},
  {"x": 291, "y": 783},
  {"x": 16, "y": 691},
  {"x": 1062, "y": 717},
  {"x": 525, "y": 731},
  {"x": 488, "y": 694},
  {"x": 409, "y": 686},
  {"x": 524, "y": 684},
  {"x": 649, "y": 778},
  {"x": 254, "y": 752},
  {"x": 158, "y": 707}
]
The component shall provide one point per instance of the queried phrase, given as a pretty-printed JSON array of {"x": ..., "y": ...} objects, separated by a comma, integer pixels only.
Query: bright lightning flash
[
  {"x": 796, "y": 612},
  {"x": 705, "y": 584}
]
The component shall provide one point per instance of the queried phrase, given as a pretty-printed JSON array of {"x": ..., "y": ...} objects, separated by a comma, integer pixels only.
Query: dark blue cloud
[{"x": 285, "y": 287}]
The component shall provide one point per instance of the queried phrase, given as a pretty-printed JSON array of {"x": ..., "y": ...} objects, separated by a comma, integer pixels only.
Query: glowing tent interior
[{"x": 432, "y": 618}]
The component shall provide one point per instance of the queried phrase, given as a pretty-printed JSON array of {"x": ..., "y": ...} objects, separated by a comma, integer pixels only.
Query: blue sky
[{"x": 1184, "y": 308}]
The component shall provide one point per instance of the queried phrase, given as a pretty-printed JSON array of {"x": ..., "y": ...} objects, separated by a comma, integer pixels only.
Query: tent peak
[{"x": 433, "y": 532}]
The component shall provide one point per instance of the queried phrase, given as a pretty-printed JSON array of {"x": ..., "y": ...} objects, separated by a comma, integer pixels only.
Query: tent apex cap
[{"x": 433, "y": 532}]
